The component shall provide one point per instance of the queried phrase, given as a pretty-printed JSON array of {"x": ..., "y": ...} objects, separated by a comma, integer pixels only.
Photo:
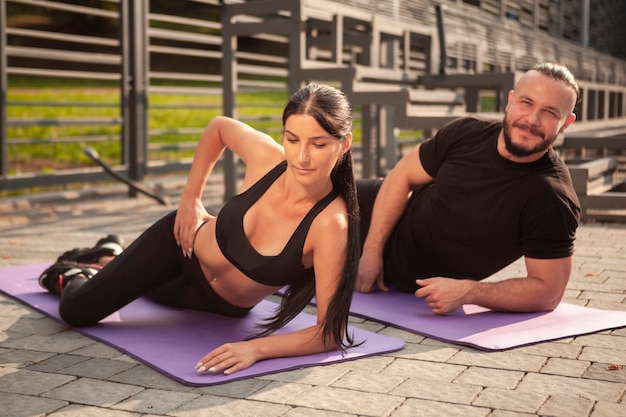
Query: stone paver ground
[{"x": 49, "y": 369}]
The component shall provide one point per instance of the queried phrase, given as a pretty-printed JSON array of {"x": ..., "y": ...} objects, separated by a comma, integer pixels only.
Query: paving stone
[
  {"x": 147, "y": 377},
  {"x": 509, "y": 360},
  {"x": 317, "y": 375},
  {"x": 155, "y": 401},
  {"x": 506, "y": 413},
  {"x": 18, "y": 358},
  {"x": 587, "y": 277},
  {"x": 227, "y": 407},
  {"x": 236, "y": 389},
  {"x": 565, "y": 367},
  {"x": 573, "y": 387},
  {"x": 427, "y": 353},
  {"x": 603, "y": 305},
  {"x": 560, "y": 406},
  {"x": 10, "y": 336},
  {"x": 370, "y": 326},
  {"x": 368, "y": 382},
  {"x": 601, "y": 340},
  {"x": 619, "y": 332},
  {"x": 76, "y": 410},
  {"x": 438, "y": 343},
  {"x": 373, "y": 364},
  {"x": 100, "y": 350},
  {"x": 408, "y": 337},
  {"x": 563, "y": 348},
  {"x": 17, "y": 405},
  {"x": 437, "y": 391},
  {"x": 13, "y": 311},
  {"x": 591, "y": 291},
  {"x": 62, "y": 342},
  {"x": 617, "y": 281},
  {"x": 601, "y": 371},
  {"x": 347, "y": 401},
  {"x": 607, "y": 409},
  {"x": 425, "y": 408},
  {"x": 408, "y": 368},
  {"x": 279, "y": 392},
  {"x": 311, "y": 412},
  {"x": 513, "y": 400},
  {"x": 94, "y": 392},
  {"x": 56, "y": 363},
  {"x": 43, "y": 326},
  {"x": 572, "y": 297},
  {"x": 494, "y": 378},
  {"x": 604, "y": 355},
  {"x": 603, "y": 296},
  {"x": 97, "y": 368},
  {"x": 23, "y": 381}
]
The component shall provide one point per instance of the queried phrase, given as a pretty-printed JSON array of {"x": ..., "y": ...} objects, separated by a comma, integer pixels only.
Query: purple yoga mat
[
  {"x": 481, "y": 328},
  {"x": 173, "y": 340}
]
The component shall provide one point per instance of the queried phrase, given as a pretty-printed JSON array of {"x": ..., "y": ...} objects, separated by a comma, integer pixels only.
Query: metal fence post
[
  {"x": 4, "y": 146},
  {"x": 134, "y": 87},
  {"x": 229, "y": 105}
]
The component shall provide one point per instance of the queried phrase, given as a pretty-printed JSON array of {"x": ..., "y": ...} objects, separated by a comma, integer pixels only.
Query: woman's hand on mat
[
  {"x": 189, "y": 217},
  {"x": 229, "y": 358},
  {"x": 370, "y": 276},
  {"x": 443, "y": 295}
]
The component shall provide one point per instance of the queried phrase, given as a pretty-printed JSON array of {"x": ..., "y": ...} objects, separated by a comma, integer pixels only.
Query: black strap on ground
[{"x": 137, "y": 186}]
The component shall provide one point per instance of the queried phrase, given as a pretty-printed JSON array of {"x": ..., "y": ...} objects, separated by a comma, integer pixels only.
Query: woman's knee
[{"x": 73, "y": 309}]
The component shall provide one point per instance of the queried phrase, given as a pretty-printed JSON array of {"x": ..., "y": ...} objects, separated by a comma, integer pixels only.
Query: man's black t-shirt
[{"x": 482, "y": 212}]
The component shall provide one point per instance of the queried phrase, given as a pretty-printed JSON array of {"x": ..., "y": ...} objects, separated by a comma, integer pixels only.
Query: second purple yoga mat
[{"x": 482, "y": 328}]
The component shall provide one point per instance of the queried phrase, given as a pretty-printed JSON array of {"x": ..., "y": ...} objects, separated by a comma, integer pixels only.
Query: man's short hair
[{"x": 560, "y": 73}]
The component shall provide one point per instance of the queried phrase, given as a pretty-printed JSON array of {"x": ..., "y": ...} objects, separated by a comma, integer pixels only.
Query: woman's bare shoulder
[{"x": 333, "y": 220}]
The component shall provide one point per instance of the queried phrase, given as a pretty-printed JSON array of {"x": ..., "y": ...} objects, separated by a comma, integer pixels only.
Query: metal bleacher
[{"x": 384, "y": 66}]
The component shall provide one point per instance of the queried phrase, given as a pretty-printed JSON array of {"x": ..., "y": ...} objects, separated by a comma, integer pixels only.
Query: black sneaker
[
  {"x": 112, "y": 245},
  {"x": 56, "y": 277}
]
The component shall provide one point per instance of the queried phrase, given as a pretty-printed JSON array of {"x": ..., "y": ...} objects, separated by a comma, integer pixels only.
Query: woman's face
[{"x": 312, "y": 153}]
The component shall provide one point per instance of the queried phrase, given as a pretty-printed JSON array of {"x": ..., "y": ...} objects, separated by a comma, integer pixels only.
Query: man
[{"x": 478, "y": 196}]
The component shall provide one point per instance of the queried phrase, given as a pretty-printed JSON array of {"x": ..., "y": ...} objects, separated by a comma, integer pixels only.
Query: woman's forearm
[
  {"x": 210, "y": 148},
  {"x": 307, "y": 341}
]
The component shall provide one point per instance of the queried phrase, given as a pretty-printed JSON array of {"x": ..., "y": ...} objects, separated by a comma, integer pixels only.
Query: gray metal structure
[{"x": 395, "y": 63}]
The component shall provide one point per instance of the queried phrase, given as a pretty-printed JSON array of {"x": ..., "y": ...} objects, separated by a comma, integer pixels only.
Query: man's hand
[
  {"x": 370, "y": 274},
  {"x": 541, "y": 290},
  {"x": 443, "y": 295}
]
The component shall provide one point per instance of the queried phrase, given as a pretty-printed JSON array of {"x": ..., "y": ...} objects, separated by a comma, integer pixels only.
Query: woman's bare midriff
[{"x": 227, "y": 281}]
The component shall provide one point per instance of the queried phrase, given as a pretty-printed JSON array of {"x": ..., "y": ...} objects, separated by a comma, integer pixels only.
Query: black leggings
[{"x": 152, "y": 265}]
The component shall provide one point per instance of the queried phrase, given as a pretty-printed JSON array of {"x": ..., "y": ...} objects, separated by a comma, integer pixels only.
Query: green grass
[{"x": 49, "y": 147}]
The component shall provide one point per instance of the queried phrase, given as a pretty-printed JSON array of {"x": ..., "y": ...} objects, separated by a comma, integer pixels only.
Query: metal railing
[
  {"x": 126, "y": 59},
  {"x": 146, "y": 52}
]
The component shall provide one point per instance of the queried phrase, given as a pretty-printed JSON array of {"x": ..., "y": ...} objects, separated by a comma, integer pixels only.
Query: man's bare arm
[
  {"x": 541, "y": 290},
  {"x": 390, "y": 203}
]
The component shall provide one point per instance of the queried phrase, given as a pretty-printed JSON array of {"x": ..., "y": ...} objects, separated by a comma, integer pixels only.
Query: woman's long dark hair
[{"x": 332, "y": 110}]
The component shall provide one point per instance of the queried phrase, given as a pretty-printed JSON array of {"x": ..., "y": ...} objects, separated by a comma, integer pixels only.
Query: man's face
[{"x": 538, "y": 110}]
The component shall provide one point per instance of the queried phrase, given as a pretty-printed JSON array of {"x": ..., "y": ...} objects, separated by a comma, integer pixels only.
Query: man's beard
[{"x": 519, "y": 151}]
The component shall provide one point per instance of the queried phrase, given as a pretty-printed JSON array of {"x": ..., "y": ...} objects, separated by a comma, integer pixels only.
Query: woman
[{"x": 295, "y": 223}]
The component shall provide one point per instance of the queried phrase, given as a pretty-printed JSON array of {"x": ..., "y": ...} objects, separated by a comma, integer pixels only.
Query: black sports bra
[{"x": 277, "y": 270}]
